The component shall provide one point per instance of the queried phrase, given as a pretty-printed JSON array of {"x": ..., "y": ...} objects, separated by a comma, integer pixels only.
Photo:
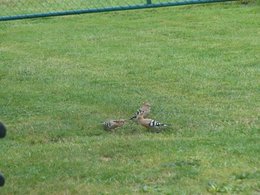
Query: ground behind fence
[{"x": 12, "y": 10}]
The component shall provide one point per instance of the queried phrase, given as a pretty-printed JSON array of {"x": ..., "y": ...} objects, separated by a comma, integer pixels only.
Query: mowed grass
[{"x": 197, "y": 65}]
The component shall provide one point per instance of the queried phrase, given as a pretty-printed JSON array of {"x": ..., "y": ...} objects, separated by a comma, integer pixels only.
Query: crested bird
[
  {"x": 113, "y": 124},
  {"x": 145, "y": 109},
  {"x": 148, "y": 123}
]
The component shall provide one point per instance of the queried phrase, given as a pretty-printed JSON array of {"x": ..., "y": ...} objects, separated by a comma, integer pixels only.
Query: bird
[
  {"x": 145, "y": 108},
  {"x": 149, "y": 123},
  {"x": 113, "y": 124}
]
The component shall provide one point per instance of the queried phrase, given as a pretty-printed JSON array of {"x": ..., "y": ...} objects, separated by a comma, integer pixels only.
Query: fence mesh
[{"x": 20, "y": 9}]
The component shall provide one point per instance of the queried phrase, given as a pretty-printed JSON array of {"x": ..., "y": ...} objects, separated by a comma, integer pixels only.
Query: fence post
[{"x": 148, "y": 1}]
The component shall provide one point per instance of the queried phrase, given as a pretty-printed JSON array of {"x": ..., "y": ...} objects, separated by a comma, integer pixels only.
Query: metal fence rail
[{"x": 22, "y": 9}]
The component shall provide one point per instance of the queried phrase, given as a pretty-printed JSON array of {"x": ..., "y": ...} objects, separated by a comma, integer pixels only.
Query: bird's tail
[{"x": 133, "y": 117}]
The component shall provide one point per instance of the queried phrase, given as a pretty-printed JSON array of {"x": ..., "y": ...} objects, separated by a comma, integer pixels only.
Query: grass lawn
[{"x": 199, "y": 67}]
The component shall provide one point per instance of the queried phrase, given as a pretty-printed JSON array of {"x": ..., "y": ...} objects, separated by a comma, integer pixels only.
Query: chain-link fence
[{"x": 20, "y": 9}]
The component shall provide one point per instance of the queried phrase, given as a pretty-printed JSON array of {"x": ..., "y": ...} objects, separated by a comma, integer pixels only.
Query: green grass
[{"x": 198, "y": 66}]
